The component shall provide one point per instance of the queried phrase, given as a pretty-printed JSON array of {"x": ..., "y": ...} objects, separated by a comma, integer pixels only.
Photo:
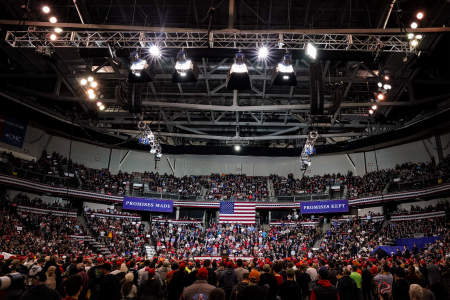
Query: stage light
[
  {"x": 387, "y": 86},
  {"x": 139, "y": 70},
  {"x": 53, "y": 37},
  {"x": 83, "y": 81},
  {"x": 99, "y": 103},
  {"x": 419, "y": 15},
  {"x": 58, "y": 30},
  {"x": 53, "y": 20},
  {"x": 284, "y": 73},
  {"x": 414, "y": 25},
  {"x": 94, "y": 84},
  {"x": 419, "y": 37},
  {"x": 414, "y": 43},
  {"x": 237, "y": 148},
  {"x": 185, "y": 70},
  {"x": 138, "y": 66},
  {"x": 90, "y": 78},
  {"x": 380, "y": 96},
  {"x": 155, "y": 51},
  {"x": 45, "y": 9},
  {"x": 374, "y": 107},
  {"x": 238, "y": 78},
  {"x": 380, "y": 84},
  {"x": 311, "y": 51},
  {"x": 90, "y": 91},
  {"x": 410, "y": 36},
  {"x": 263, "y": 53},
  {"x": 370, "y": 111},
  {"x": 386, "y": 77},
  {"x": 92, "y": 96},
  {"x": 101, "y": 107}
]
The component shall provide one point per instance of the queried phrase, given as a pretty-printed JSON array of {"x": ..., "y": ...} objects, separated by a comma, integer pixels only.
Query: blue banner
[
  {"x": 12, "y": 131},
  {"x": 324, "y": 207},
  {"x": 156, "y": 205}
]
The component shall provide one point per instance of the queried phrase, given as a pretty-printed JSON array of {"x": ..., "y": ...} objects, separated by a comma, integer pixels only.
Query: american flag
[{"x": 237, "y": 212}]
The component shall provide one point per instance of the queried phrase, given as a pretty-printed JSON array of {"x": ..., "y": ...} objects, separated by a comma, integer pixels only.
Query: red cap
[{"x": 202, "y": 273}]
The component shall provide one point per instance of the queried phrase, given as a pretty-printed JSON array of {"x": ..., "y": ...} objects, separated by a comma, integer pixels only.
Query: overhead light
[
  {"x": 94, "y": 84},
  {"x": 53, "y": 37},
  {"x": 101, "y": 107},
  {"x": 371, "y": 111},
  {"x": 99, "y": 103},
  {"x": 414, "y": 25},
  {"x": 238, "y": 78},
  {"x": 380, "y": 96},
  {"x": 410, "y": 36},
  {"x": 155, "y": 51},
  {"x": 83, "y": 81},
  {"x": 386, "y": 77},
  {"x": 237, "y": 148},
  {"x": 263, "y": 53},
  {"x": 58, "y": 30},
  {"x": 387, "y": 86},
  {"x": 414, "y": 43},
  {"x": 380, "y": 84},
  {"x": 90, "y": 91},
  {"x": 90, "y": 78},
  {"x": 53, "y": 20},
  {"x": 185, "y": 71},
  {"x": 419, "y": 36},
  {"x": 419, "y": 15},
  {"x": 92, "y": 96},
  {"x": 374, "y": 107},
  {"x": 45, "y": 9},
  {"x": 139, "y": 70},
  {"x": 284, "y": 73},
  {"x": 311, "y": 51}
]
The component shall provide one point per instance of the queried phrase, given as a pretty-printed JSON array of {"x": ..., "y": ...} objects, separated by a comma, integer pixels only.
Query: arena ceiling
[{"x": 357, "y": 41}]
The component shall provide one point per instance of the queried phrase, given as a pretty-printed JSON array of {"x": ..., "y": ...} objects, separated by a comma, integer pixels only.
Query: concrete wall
[{"x": 97, "y": 157}]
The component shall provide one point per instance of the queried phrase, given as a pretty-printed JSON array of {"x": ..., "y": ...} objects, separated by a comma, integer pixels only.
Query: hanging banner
[
  {"x": 156, "y": 205},
  {"x": 323, "y": 207},
  {"x": 12, "y": 131}
]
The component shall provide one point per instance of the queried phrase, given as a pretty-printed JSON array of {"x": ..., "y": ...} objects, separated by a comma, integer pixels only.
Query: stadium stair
[
  {"x": 324, "y": 228},
  {"x": 95, "y": 245}
]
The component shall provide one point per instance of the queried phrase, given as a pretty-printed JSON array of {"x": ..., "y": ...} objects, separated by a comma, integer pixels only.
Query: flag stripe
[{"x": 237, "y": 212}]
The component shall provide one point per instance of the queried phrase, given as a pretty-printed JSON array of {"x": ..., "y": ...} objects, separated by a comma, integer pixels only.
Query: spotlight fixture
[
  {"x": 58, "y": 30},
  {"x": 53, "y": 20},
  {"x": 45, "y": 9},
  {"x": 139, "y": 70},
  {"x": 99, "y": 103},
  {"x": 419, "y": 36},
  {"x": 380, "y": 96},
  {"x": 263, "y": 53},
  {"x": 90, "y": 92},
  {"x": 238, "y": 78},
  {"x": 311, "y": 51},
  {"x": 371, "y": 111},
  {"x": 414, "y": 25},
  {"x": 53, "y": 37},
  {"x": 237, "y": 148},
  {"x": 101, "y": 107},
  {"x": 374, "y": 107},
  {"x": 90, "y": 78},
  {"x": 155, "y": 51},
  {"x": 93, "y": 84},
  {"x": 414, "y": 43},
  {"x": 387, "y": 86},
  {"x": 92, "y": 96},
  {"x": 386, "y": 77},
  {"x": 284, "y": 73},
  {"x": 185, "y": 70},
  {"x": 419, "y": 15},
  {"x": 410, "y": 36},
  {"x": 380, "y": 84},
  {"x": 83, "y": 81}
]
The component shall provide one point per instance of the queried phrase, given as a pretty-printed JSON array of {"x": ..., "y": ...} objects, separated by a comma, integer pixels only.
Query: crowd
[
  {"x": 55, "y": 169},
  {"x": 423, "y": 276},
  {"x": 186, "y": 240},
  {"x": 121, "y": 236},
  {"x": 236, "y": 187},
  {"x": 408, "y": 228}
]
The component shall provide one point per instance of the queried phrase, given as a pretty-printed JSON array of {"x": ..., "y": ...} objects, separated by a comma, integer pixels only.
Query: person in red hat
[{"x": 200, "y": 289}]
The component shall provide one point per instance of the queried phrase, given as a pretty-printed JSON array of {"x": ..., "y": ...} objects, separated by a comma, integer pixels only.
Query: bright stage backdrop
[
  {"x": 147, "y": 204},
  {"x": 324, "y": 207}
]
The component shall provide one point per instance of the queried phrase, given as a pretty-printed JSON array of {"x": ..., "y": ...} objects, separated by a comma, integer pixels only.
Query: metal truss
[{"x": 214, "y": 39}]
